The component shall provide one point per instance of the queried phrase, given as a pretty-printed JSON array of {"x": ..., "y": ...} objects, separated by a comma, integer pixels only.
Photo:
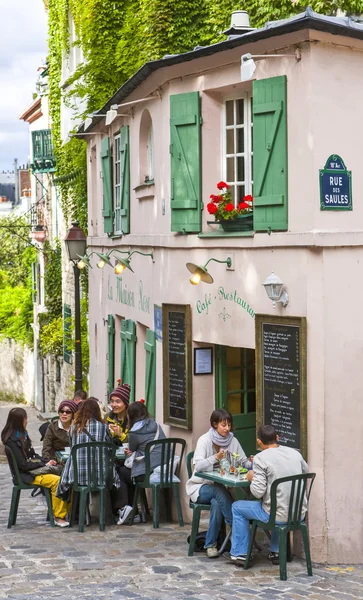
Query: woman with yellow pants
[{"x": 15, "y": 436}]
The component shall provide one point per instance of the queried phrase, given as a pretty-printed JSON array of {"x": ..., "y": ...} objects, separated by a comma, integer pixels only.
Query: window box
[{"x": 240, "y": 223}]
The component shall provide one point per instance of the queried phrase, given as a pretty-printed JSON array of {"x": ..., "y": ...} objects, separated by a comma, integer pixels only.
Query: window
[
  {"x": 117, "y": 183},
  {"x": 146, "y": 148},
  {"x": 238, "y": 152},
  {"x": 241, "y": 381}
]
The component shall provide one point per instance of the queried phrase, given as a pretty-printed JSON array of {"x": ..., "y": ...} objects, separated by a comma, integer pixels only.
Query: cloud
[{"x": 24, "y": 35}]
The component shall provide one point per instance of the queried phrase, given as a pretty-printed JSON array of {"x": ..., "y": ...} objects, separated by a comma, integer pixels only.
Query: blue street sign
[{"x": 335, "y": 185}]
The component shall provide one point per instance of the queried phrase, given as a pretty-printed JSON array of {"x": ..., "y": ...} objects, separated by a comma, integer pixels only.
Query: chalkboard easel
[
  {"x": 281, "y": 378},
  {"x": 177, "y": 365}
]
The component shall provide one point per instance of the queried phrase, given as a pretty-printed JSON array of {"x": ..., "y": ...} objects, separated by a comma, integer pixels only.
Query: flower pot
[{"x": 240, "y": 223}]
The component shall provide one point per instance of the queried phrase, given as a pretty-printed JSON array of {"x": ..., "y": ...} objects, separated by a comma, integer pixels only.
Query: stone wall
[{"x": 16, "y": 371}]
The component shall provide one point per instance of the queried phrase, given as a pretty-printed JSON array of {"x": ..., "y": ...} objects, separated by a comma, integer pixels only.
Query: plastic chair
[
  {"x": 20, "y": 485},
  {"x": 196, "y": 507},
  {"x": 169, "y": 448},
  {"x": 300, "y": 488},
  {"x": 99, "y": 458}
]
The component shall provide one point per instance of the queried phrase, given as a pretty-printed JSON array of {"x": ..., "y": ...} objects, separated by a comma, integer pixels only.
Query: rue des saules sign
[{"x": 335, "y": 185}]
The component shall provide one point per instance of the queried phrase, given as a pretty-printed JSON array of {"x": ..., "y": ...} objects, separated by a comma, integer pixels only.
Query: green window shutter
[
  {"x": 150, "y": 371},
  {"x": 128, "y": 354},
  {"x": 270, "y": 154},
  {"x": 220, "y": 377},
  {"x": 111, "y": 353},
  {"x": 185, "y": 163},
  {"x": 106, "y": 165},
  {"x": 125, "y": 179},
  {"x": 67, "y": 333}
]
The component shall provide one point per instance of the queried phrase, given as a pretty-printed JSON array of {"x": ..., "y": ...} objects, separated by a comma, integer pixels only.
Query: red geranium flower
[
  {"x": 211, "y": 208},
  {"x": 229, "y": 207},
  {"x": 243, "y": 205},
  {"x": 222, "y": 185},
  {"x": 248, "y": 198}
]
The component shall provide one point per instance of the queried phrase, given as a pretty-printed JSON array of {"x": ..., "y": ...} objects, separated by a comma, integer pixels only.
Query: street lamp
[{"x": 75, "y": 242}]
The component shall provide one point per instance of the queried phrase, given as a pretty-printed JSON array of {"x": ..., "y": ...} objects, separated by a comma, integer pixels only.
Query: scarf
[{"x": 219, "y": 440}]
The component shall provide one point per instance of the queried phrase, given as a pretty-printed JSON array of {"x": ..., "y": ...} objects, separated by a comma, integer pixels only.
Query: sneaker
[
  {"x": 212, "y": 551},
  {"x": 123, "y": 514},
  {"x": 274, "y": 558},
  {"x": 136, "y": 519},
  {"x": 61, "y": 523},
  {"x": 238, "y": 560}
]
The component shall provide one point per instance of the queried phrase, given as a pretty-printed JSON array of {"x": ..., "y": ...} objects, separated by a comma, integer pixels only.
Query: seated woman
[
  {"x": 211, "y": 448},
  {"x": 57, "y": 434},
  {"x": 15, "y": 436},
  {"x": 86, "y": 427},
  {"x": 116, "y": 419},
  {"x": 142, "y": 430}
]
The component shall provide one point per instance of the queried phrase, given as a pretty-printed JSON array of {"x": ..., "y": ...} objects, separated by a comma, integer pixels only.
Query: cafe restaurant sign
[{"x": 335, "y": 185}]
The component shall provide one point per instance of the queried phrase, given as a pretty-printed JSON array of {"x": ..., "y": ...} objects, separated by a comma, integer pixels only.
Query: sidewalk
[{"x": 138, "y": 562}]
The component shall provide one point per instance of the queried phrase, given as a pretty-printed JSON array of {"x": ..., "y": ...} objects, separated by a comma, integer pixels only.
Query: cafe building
[{"x": 273, "y": 330}]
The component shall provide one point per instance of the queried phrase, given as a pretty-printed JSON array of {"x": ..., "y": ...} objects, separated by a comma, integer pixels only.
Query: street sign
[{"x": 335, "y": 185}]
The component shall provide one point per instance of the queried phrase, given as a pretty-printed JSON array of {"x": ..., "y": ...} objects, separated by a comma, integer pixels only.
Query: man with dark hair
[
  {"x": 79, "y": 396},
  {"x": 272, "y": 463}
]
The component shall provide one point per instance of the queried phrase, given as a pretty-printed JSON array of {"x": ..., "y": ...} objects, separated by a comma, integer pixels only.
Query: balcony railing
[{"x": 43, "y": 157}]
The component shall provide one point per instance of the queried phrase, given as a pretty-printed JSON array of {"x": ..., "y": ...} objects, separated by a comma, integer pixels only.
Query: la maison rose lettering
[
  {"x": 128, "y": 296},
  {"x": 223, "y": 295}
]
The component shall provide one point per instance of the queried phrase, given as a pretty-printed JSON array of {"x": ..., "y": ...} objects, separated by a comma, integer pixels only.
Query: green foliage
[
  {"x": 16, "y": 311},
  {"x": 51, "y": 338},
  {"x": 15, "y": 253},
  {"x": 53, "y": 280}
]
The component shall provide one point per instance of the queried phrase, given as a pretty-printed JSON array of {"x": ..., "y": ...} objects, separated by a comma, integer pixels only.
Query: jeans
[
  {"x": 243, "y": 511},
  {"x": 220, "y": 502}
]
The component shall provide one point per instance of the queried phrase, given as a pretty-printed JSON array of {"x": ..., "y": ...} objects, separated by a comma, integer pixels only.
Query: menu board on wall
[
  {"x": 281, "y": 378},
  {"x": 177, "y": 365}
]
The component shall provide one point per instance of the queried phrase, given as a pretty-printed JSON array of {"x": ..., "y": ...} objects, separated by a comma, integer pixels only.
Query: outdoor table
[
  {"x": 228, "y": 481},
  {"x": 62, "y": 455}
]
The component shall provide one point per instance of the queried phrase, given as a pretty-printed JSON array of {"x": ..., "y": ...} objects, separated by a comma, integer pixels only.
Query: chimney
[{"x": 240, "y": 23}]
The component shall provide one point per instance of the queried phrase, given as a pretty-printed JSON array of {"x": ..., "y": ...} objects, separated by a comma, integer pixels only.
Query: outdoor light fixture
[
  {"x": 200, "y": 273},
  {"x": 84, "y": 261},
  {"x": 248, "y": 65},
  {"x": 273, "y": 286},
  {"x": 104, "y": 259},
  {"x": 124, "y": 263}
]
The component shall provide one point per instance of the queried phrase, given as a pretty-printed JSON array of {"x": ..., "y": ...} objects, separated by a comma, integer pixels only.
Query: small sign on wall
[{"x": 335, "y": 185}]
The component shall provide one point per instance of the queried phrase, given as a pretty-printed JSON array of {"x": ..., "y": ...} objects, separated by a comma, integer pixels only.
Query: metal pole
[{"x": 77, "y": 327}]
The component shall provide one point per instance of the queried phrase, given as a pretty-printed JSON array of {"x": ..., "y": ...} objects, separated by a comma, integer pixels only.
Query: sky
[{"x": 23, "y": 50}]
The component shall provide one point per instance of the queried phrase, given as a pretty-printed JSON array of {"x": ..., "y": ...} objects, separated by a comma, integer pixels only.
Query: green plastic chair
[
  {"x": 20, "y": 485},
  {"x": 196, "y": 507},
  {"x": 300, "y": 487},
  {"x": 100, "y": 459},
  {"x": 169, "y": 447}
]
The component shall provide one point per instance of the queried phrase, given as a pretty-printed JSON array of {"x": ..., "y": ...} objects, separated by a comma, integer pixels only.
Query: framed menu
[
  {"x": 281, "y": 378},
  {"x": 177, "y": 365},
  {"x": 203, "y": 361}
]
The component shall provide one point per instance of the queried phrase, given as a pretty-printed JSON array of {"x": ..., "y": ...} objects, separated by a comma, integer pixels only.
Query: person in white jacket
[{"x": 211, "y": 448}]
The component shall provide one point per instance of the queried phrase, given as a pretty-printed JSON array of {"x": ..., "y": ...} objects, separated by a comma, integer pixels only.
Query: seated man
[{"x": 272, "y": 463}]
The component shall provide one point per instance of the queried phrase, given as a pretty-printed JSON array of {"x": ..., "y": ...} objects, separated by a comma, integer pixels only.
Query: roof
[
  {"x": 346, "y": 26},
  {"x": 33, "y": 112}
]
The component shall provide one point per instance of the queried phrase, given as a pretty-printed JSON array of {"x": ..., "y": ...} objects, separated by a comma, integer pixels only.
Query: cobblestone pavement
[{"x": 138, "y": 562}]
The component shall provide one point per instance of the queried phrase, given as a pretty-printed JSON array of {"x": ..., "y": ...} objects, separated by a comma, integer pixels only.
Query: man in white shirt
[{"x": 272, "y": 463}]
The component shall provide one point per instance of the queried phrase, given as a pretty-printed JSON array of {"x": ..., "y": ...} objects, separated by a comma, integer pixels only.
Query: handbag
[{"x": 48, "y": 470}]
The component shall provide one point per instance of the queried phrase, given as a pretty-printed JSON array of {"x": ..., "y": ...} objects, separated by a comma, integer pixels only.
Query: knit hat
[
  {"x": 71, "y": 405},
  {"x": 122, "y": 392}
]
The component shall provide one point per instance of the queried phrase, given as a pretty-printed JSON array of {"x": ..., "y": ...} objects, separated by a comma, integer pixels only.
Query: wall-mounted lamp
[
  {"x": 200, "y": 273},
  {"x": 248, "y": 65},
  {"x": 273, "y": 286},
  {"x": 124, "y": 263},
  {"x": 112, "y": 114},
  {"x": 84, "y": 261}
]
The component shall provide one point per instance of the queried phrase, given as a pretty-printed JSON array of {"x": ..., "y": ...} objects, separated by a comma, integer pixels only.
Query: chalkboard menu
[
  {"x": 281, "y": 378},
  {"x": 177, "y": 365}
]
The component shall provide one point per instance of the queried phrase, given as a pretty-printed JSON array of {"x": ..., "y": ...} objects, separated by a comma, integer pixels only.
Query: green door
[{"x": 236, "y": 391}]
